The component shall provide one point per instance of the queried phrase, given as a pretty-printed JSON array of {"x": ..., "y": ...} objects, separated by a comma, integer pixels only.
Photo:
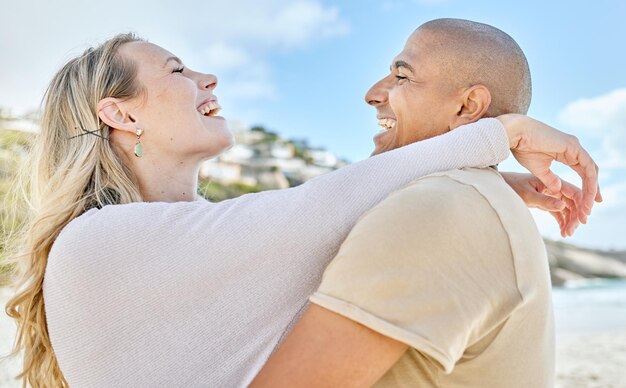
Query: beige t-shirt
[{"x": 453, "y": 266}]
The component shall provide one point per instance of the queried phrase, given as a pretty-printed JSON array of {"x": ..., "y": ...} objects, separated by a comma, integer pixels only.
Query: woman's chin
[
  {"x": 229, "y": 142},
  {"x": 218, "y": 143},
  {"x": 215, "y": 124}
]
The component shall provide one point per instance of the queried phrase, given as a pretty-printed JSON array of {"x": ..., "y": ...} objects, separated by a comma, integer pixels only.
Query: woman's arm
[
  {"x": 320, "y": 213},
  {"x": 536, "y": 145}
]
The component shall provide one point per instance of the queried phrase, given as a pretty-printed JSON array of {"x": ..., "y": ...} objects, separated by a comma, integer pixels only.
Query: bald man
[{"x": 445, "y": 283}]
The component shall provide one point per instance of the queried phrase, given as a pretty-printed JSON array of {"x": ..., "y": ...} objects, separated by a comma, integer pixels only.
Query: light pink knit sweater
[{"x": 198, "y": 294}]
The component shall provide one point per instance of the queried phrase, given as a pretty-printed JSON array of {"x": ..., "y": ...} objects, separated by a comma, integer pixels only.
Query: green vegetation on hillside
[
  {"x": 14, "y": 147},
  {"x": 269, "y": 136},
  {"x": 216, "y": 192}
]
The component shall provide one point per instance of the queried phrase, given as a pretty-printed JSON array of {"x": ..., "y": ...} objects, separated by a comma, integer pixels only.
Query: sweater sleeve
[{"x": 329, "y": 205}]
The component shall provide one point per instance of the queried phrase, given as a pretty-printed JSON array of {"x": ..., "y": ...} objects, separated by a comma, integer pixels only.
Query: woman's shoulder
[
  {"x": 117, "y": 224},
  {"x": 116, "y": 238}
]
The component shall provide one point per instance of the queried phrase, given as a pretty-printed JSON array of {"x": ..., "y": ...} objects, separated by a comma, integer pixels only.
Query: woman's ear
[
  {"x": 113, "y": 113},
  {"x": 475, "y": 103}
]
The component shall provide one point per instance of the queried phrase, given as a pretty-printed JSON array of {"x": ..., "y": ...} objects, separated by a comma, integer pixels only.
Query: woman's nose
[{"x": 208, "y": 81}]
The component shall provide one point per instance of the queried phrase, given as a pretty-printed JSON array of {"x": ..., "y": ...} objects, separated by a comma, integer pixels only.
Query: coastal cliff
[{"x": 569, "y": 263}]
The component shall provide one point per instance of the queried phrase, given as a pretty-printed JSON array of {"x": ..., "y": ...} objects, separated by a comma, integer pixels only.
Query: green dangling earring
[{"x": 138, "y": 146}]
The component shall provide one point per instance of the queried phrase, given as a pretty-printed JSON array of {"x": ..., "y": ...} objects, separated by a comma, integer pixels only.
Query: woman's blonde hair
[{"x": 67, "y": 176}]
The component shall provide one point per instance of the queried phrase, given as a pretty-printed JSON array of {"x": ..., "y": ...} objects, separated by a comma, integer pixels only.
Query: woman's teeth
[
  {"x": 386, "y": 124},
  {"x": 210, "y": 109}
]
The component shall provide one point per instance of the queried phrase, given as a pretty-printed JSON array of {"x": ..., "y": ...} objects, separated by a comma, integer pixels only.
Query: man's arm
[{"x": 326, "y": 349}]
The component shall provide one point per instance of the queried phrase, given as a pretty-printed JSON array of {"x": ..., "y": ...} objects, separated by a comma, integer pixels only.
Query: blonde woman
[{"x": 127, "y": 278}]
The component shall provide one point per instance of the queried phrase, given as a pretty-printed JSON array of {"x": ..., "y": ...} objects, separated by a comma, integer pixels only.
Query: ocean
[{"x": 590, "y": 306}]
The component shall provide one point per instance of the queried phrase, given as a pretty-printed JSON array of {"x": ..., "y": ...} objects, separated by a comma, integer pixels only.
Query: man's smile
[{"x": 387, "y": 123}]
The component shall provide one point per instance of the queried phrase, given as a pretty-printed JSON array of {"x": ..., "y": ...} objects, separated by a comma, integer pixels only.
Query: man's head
[{"x": 451, "y": 72}]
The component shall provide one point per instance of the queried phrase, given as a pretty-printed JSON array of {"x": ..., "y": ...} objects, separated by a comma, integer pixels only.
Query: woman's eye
[{"x": 179, "y": 70}]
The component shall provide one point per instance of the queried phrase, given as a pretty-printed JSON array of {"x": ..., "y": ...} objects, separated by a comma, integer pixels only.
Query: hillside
[
  {"x": 262, "y": 160},
  {"x": 569, "y": 263}
]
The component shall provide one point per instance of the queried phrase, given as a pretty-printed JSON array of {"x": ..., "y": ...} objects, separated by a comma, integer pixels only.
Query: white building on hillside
[
  {"x": 20, "y": 125},
  {"x": 323, "y": 158}
]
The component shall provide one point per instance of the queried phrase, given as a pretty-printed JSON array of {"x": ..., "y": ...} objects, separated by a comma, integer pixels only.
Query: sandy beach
[
  {"x": 589, "y": 360},
  {"x": 592, "y": 360}
]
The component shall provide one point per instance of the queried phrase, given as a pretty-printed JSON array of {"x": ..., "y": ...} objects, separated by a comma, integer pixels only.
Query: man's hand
[
  {"x": 563, "y": 206},
  {"x": 535, "y": 145}
]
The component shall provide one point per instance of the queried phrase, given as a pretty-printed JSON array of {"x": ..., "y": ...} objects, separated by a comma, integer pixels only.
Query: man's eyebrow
[
  {"x": 173, "y": 59},
  {"x": 399, "y": 64}
]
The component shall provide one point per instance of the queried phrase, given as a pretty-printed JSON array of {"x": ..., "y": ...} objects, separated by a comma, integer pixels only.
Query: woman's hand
[
  {"x": 535, "y": 145},
  {"x": 563, "y": 206}
]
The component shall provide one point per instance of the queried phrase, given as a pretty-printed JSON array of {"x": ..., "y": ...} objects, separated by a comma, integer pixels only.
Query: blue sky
[{"x": 301, "y": 67}]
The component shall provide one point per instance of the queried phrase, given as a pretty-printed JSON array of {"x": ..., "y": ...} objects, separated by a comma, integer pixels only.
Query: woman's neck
[{"x": 167, "y": 182}]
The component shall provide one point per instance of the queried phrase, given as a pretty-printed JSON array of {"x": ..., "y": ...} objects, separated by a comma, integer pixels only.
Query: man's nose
[
  {"x": 377, "y": 94},
  {"x": 208, "y": 81}
]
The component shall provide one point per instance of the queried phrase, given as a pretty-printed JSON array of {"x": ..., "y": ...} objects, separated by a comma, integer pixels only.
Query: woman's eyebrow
[{"x": 172, "y": 59}]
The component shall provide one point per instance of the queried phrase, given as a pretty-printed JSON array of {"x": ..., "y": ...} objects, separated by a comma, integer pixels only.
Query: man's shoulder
[
  {"x": 452, "y": 193},
  {"x": 438, "y": 206},
  {"x": 473, "y": 203},
  {"x": 460, "y": 208},
  {"x": 484, "y": 181}
]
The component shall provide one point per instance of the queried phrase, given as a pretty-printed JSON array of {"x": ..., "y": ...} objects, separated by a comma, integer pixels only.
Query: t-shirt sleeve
[{"x": 430, "y": 266}]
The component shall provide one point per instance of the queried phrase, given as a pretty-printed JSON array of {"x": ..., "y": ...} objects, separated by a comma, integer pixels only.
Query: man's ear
[
  {"x": 113, "y": 113},
  {"x": 475, "y": 103}
]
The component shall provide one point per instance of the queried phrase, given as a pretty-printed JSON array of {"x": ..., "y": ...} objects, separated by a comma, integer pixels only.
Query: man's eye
[
  {"x": 179, "y": 70},
  {"x": 400, "y": 77}
]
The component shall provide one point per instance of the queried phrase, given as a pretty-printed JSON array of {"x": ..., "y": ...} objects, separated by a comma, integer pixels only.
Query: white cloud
[
  {"x": 604, "y": 228},
  {"x": 242, "y": 36},
  {"x": 296, "y": 23},
  {"x": 220, "y": 56},
  {"x": 603, "y": 118},
  {"x": 253, "y": 82},
  {"x": 592, "y": 114},
  {"x": 613, "y": 196},
  {"x": 268, "y": 24},
  {"x": 223, "y": 36}
]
